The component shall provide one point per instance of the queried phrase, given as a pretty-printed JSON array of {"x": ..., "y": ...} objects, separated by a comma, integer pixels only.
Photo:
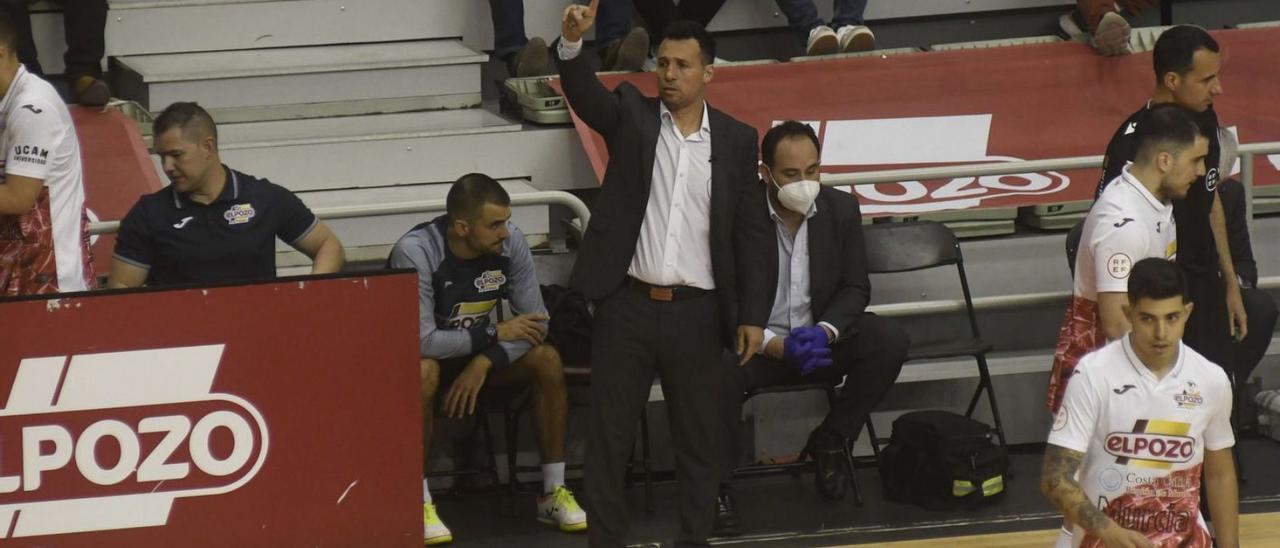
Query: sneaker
[
  {"x": 561, "y": 510},
  {"x": 532, "y": 60},
  {"x": 628, "y": 53},
  {"x": 90, "y": 91},
  {"x": 1112, "y": 35},
  {"x": 433, "y": 530},
  {"x": 856, "y": 38},
  {"x": 822, "y": 41}
]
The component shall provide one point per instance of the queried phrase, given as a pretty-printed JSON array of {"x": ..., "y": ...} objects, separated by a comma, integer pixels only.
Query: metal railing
[
  {"x": 548, "y": 197},
  {"x": 1247, "y": 154}
]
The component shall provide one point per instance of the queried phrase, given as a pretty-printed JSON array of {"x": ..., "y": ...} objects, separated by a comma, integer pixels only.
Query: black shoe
[
  {"x": 727, "y": 523},
  {"x": 827, "y": 449}
]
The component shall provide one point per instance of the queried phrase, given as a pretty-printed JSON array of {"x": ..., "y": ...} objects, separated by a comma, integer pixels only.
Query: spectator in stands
[
  {"x": 621, "y": 47},
  {"x": 212, "y": 223},
  {"x": 672, "y": 261},
  {"x": 845, "y": 33},
  {"x": 467, "y": 261},
  {"x": 819, "y": 329},
  {"x": 1145, "y": 418},
  {"x": 84, "y": 22},
  {"x": 1187, "y": 66},
  {"x": 1129, "y": 222},
  {"x": 658, "y": 14},
  {"x": 1103, "y": 22},
  {"x": 44, "y": 237}
]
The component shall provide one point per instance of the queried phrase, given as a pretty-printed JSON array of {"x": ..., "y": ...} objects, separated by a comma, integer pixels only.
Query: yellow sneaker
[
  {"x": 561, "y": 510},
  {"x": 433, "y": 530}
]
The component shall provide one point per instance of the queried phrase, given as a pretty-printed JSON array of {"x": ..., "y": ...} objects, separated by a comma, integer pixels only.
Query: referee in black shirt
[
  {"x": 211, "y": 224},
  {"x": 1187, "y": 65}
]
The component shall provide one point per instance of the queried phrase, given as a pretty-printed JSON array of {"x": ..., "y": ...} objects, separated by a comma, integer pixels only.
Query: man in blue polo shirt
[{"x": 211, "y": 224}]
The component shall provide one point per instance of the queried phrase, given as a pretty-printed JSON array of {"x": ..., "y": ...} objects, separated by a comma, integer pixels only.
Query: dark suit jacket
[
  {"x": 629, "y": 122},
  {"x": 839, "y": 288}
]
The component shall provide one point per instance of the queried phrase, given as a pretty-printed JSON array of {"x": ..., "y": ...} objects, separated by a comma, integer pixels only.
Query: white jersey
[
  {"x": 1125, "y": 225},
  {"x": 45, "y": 249},
  {"x": 1144, "y": 439}
]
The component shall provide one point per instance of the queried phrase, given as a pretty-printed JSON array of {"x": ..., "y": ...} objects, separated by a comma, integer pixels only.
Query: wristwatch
[{"x": 492, "y": 331}]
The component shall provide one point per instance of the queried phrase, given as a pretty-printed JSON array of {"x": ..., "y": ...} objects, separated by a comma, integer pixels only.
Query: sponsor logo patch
[
  {"x": 1152, "y": 444},
  {"x": 239, "y": 214},
  {"x": 1190, "y": 397},
  {"x": 490, "y": 280}
]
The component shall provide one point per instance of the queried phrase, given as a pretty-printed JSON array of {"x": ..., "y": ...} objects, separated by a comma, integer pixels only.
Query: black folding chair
[{"x": 906, "y": 247}]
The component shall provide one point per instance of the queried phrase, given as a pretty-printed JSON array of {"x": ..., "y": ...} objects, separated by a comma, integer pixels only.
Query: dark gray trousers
[
  {"x": 635, "y": 338},
  {"x": 871, "y": 356}
]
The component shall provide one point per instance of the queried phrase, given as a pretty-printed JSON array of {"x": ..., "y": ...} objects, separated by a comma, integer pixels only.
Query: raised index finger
[{"x": 591, "y": 9}]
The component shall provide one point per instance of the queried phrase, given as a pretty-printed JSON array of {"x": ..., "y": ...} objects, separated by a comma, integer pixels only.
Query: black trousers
[
  {"x": 635, "y": 338},
  {"x": 872, "y": 356},
  {"x": 1209, "y": 327},
  {"x": 84, "y": 22},
  {"x": 657, "y": 14}
]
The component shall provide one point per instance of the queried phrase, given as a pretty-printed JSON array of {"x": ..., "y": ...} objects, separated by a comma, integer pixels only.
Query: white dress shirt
[
  {"x": 674, "y": 247},
  {"x": 791, "y": 302}
]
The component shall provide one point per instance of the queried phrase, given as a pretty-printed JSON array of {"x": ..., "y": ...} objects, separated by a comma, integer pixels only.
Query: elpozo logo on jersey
[
  {"x": 138, "y": 430},
  {"x": 1152, "y": 444},
  {"x": 239, "y": 214},
  {"x": 1190, "y": 397},
  {"x": 490, "y": 280}
]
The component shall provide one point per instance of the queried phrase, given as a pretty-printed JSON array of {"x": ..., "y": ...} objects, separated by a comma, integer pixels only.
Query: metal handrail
[
  {"x": 1246, "y": 153},
  {"x": 548, "y": 197}
]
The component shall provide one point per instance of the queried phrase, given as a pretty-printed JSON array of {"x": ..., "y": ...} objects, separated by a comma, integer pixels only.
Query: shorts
[{"x": 1081, "y": 334}]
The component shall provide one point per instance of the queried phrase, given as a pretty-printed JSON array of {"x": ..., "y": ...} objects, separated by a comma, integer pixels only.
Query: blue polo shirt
[{"x": 231, "y": 239}]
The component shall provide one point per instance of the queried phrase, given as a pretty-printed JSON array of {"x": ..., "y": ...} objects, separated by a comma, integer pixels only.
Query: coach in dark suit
[
  {"x": 669, "y": 260},
  {"x": 819, "y": 329}
]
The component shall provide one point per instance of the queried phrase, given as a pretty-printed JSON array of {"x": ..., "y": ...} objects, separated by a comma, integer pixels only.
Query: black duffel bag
[{"x": 942, "y": 461}]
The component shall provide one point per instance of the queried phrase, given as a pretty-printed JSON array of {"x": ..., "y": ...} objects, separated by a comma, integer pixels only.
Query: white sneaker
[
  {"x": 561, "y": 510},
  {"x": 433, "y": 530},
  {"x": 856, "y": 38},
  {"x": 1112, "y": 35},
  {"x": 822, "y": 41}
]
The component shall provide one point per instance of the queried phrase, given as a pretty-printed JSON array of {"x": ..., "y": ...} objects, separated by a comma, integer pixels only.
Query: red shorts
[{"x": 1081, "y": 334}]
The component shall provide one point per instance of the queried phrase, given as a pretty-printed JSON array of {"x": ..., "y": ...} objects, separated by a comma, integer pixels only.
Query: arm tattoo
[{"x": 1057, "y": 477}]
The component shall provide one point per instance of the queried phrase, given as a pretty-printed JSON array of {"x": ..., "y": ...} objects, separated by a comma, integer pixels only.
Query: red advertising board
[
  {"x": 275, "y": 414},
  {"x": 961, "y": 107}
]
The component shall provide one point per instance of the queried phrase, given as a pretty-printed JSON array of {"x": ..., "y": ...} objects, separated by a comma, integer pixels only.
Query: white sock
[
  {"x": 426, "y": 493},
  {"x": 552, "y": 476}
]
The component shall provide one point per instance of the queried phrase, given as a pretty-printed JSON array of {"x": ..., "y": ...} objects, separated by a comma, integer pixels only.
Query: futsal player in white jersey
[
  {"x": 1130, "y": 221},
  {"x": 1144, "y": 418}
]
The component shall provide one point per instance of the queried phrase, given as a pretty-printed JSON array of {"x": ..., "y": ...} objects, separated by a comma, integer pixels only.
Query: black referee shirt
[
  {"x": 231, "y": 239},
  {"x": 1196, "y": 249}
]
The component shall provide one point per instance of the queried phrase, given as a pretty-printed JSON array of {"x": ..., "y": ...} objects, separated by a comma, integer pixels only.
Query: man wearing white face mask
[{"x": 818, "y": 328}]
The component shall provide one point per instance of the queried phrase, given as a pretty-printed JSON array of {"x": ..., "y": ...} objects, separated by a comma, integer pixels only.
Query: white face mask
[{"x": 798, "y": 196}]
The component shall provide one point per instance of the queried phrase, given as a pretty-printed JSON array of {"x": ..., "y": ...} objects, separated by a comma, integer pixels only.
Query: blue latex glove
[{"x": 806, "y": 349}]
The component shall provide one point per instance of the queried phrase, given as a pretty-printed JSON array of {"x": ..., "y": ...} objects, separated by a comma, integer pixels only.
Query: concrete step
[
  {"x": 409, "y": 148},
  {"x": 306, "y": 78}
]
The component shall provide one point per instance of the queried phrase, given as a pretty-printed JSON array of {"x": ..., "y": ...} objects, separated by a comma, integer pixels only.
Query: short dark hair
[
  {"x": 1157, "y": 279},
  {"x": 1167, "y": 127},
  {"x": 1177, "y": 47},
  {"x": 692, "y": 30},
  {"x": 187, "y": 117},
  {"x": 8, "y": 34},
  {"x": 469, "y": 194},
  {"x": 789, "y": 129}
]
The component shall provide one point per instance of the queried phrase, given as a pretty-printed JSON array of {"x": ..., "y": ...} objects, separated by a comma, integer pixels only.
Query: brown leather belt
[{"x": 667, "y": 293}]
